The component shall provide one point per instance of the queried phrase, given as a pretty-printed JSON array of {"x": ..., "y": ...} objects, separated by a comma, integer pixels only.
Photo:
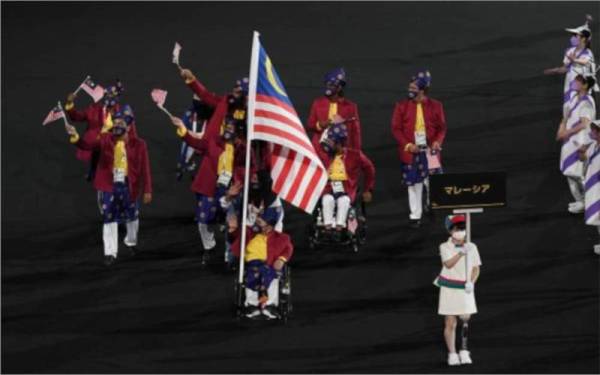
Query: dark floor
[{"x": 369, "y": 312}]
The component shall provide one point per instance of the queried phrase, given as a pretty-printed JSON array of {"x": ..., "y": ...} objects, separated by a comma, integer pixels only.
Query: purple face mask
[
  {"x": 574, "y": 41},
  {"x": 574, "y": 85}
]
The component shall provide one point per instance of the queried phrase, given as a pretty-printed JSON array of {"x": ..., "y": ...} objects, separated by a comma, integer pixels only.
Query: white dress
[
  {"x": 455, "y": 301},
  {"x": 574, "y": 69},
  {"x": 576, "y": 108}
]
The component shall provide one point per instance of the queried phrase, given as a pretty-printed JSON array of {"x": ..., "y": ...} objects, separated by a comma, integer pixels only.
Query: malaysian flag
[
  {"x": 55, "y": 114},
  {"x": 159, "y": 96},
  {"x": 92, "y": 89},
  {"x": 298, "y": 174}
]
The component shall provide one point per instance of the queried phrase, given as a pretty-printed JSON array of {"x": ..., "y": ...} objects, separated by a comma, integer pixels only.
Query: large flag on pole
[{"x": 297, "y": 172}]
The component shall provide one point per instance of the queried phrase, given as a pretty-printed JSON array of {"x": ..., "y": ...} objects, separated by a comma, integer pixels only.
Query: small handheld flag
[
  {"x": 176, "y": 51},
  {"x": 92, "y": 89},
  {"x": 55, "y": 114},
  {"x": 159, "y": 97}
]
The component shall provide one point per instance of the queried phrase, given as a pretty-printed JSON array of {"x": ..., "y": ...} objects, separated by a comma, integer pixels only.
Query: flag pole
[
  {"x": 64, "y": 114},
  {"x": 250, "y": 121},
  {"x": 81, "y": 84}
]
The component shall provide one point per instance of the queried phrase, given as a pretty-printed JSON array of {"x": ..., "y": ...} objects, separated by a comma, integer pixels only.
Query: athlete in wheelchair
[
  {"x": 338, "y": 222},
  {"x": 266, "y": 287}
]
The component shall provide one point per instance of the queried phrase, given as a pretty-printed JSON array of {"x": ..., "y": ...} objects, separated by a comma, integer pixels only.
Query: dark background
[{"x": 369, "y": 312}]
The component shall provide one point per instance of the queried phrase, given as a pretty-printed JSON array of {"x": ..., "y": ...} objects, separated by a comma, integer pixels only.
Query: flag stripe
[
  {"x": 311, "y": 187},
  {"x": 291, "y": 195},
  {"x": 279, "y": 136}
]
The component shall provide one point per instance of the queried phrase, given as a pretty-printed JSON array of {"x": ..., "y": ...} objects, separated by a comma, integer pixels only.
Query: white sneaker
[
  {"x": 597, "y": 249},
  {"x": 453, "y": 359},
  {"x": 576, "y": 208},
  {"x": 253, "y": 313},
  {"x": 268, "y": 314},
  {"x": 465, "y": 357}
]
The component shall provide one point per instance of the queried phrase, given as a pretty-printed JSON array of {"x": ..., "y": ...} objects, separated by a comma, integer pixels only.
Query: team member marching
[
  {"x": 95, "y": 115},
  {"x": 334, "y": 103},
  {"x": 221, "y": 156},
  {"x": 123, "y": 172},
  {"x": 418, "y": 124},
  {"x": 592, "y": 180},
  {"x": 460, "y": 271},
  {"x": 344, "y": 166},
  {"x": 573, "y": 132},
  {"x": 232, "y": 106},
  {"x": 578, "y": 59}
]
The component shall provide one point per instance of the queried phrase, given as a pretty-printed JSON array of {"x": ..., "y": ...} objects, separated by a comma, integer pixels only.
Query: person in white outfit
[
  {"x": 573, "y": 133},
  {"x": 592, "y": 180},
  {"x": 456, "y": 281},
  {"x": 578, "y": 59}
]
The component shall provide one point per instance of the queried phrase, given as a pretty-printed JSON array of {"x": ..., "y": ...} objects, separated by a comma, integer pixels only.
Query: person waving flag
[{"x": 296, "y": 170}]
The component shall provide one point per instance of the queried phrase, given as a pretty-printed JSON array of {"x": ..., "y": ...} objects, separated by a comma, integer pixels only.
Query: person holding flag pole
[
  {"x": 297, "y": 173},
  {"x": 123, "y": 175},
  {"x": 96, "y": 115}
]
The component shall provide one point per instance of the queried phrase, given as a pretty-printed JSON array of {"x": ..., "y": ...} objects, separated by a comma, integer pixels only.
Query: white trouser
[
  {"x": 329, "y": 203},
  {"x": 110, "y": 236},
  {"x": 132, "y": 233},
  {"x": 272, "y": 293},
  {"x": 415, "y": 200},
  {"x": 576, "y": 187},
  {"x": 207, "y": 236},
  {"x": 426, "y": 184}
]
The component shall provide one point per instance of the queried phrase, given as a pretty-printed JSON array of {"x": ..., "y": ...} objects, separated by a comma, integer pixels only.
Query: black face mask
[
  {"x": 237, "y": 102},
  {"x": 118, "y": 131},
  {"x": 202, "y": 110}
]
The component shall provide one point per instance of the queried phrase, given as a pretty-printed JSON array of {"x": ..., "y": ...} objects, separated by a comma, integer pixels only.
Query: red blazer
[
  {"x": 355, "y": 161},
  {"x": 138, "y": 164},
  {"x": 218, "y": 102},
  {"x": 279, "y": 245},
  {"x": 346, "y": 109},
  {"x": 94, "y": 116},
  {"x": 205, "y": 181},
  {"x": 403, "y": 124}
]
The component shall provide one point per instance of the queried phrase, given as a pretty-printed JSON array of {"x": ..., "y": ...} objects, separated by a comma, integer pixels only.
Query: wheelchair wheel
[
  {"x": 238, "y": 298},
  {"x": 355, "y": 244},
  {"x": 285, "y": 295}
]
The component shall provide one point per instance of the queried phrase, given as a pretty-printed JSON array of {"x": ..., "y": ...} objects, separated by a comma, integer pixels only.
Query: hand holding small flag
[{"x": 159, "y": 97}]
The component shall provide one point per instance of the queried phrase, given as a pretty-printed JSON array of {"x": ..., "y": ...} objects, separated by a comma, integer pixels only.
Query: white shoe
[
  {"x": 253, "y": 313},
  {"x": 465, "y": 357},
  {"x": 453, "y": 359},
  {"x": 597, "y": 249},
  {"x": 269, "y": 314},
  {"x": 576, "y": 207}
]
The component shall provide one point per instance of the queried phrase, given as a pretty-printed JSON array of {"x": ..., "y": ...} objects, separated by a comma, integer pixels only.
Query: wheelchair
[
  {"x": 353, "y": 236},
  {"x": 282, "y": 286}
]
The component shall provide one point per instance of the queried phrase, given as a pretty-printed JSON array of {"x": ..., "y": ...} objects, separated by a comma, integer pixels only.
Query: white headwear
[{"x": 584, "y": 27}]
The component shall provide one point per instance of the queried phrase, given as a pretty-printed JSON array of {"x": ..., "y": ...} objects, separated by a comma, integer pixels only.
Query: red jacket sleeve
[
  {"x": 77, "y": 115},
  {"x": 200, "y": 145},
  {"x": 288, "y": 249},
  {"x": 209, "y": 98},
  {"x": 311, "y": 124},
  {"x": 356, "y": 130},
  {"x": 146, "y": 169},
  {"x": 398, "y": 127},
  {"x": 83, "y": 144},
  {"x": 368, "y": 168},
  {"x": 440, "y": 134}
]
